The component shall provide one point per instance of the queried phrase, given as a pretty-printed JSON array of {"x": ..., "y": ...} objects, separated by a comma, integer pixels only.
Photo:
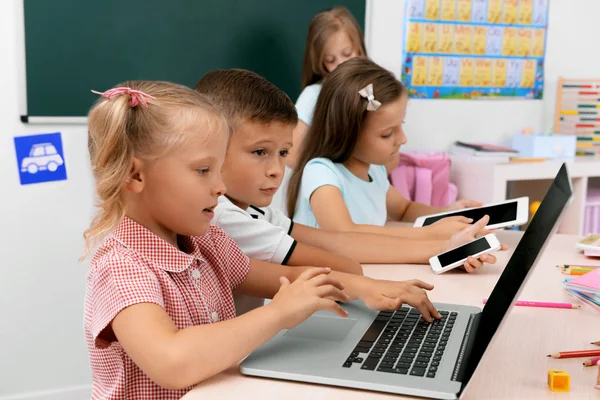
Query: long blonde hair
[
  {"x": 118, "y": 132},
  {"x": 340, "y": 114},
  {"x": 322, "y": 27}
]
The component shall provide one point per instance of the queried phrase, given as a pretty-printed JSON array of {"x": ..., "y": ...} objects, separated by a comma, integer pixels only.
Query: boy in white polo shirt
[{"x": 262, "y": 119}]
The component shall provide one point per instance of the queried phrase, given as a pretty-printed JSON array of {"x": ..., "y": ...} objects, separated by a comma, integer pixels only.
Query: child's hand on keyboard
[
  {"x": 390, "y": 295},
  {"x": 314, "y": 290},
  {"x": 469, "y": 234}
]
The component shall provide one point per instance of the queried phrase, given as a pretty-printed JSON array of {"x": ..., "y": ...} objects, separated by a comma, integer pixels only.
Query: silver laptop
[{"x": 398, "y": 352}]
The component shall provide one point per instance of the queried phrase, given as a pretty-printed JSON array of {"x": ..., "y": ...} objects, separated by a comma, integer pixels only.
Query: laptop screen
[{"x": 519, "y": 266}]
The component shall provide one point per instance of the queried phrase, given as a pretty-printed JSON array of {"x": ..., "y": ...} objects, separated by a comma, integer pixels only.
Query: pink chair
[{"x": 424, "y": 177}]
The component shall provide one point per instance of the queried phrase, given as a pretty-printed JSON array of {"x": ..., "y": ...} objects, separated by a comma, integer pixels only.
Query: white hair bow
[{"x": 367, "y": 93}]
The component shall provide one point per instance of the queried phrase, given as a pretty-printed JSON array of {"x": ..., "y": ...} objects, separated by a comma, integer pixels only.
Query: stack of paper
[
  {"x": 484, "y": 151},
  {"x": 590, "y": 245}
]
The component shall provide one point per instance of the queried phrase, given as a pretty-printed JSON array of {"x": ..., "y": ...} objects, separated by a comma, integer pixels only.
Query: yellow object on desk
[
  {"x": 528, "y": 159},
  {"x": 559, "y": 381}
]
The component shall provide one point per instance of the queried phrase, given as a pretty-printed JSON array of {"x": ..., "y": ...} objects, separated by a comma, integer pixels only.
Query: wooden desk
[{"x": 515, "y": 365}]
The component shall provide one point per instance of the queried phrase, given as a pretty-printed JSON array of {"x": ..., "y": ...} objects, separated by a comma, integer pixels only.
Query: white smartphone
[
  {"x": 457, "y": 256},
  {"x": 514, "y": 212}
]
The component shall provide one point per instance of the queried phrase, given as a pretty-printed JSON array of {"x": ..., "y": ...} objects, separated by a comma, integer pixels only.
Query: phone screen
[
  {"x": 498, "y": 214},
  {"x": 462, "y": 252}
]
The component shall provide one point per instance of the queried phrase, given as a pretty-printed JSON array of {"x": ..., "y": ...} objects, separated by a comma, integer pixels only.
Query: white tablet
[
  {"x": 514, "y": 212},
  {"x": 457, "y": 256}
]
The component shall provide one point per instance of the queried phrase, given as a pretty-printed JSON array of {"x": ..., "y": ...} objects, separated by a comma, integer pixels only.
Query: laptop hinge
[{"x": 466, "y": 347}]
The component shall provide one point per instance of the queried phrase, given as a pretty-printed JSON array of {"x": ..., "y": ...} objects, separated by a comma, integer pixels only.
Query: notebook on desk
[
  {"x": 589, "y": 283},
  {"x": 586, "y": 288},
  {"x": 398, "y": 352}
]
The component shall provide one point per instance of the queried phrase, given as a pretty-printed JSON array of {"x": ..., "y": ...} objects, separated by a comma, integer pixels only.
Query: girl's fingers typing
[
  {"x": 323, "y": 279},
  {"x": 434, "y": 312},
  {"x": 332, "y": 292},
  {"x": 332, "y": 306},
  {"x": 420, "y": 284},
  {"x": 424, "y": 310}
]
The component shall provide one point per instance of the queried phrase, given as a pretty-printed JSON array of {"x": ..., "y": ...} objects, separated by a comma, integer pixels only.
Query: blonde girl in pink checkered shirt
[{"x": 159, "y": 311}]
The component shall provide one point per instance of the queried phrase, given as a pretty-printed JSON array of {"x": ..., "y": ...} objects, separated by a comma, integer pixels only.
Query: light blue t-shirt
[
  {"x": 305, "y": 105},
  {"x": 366, "y": 201}
]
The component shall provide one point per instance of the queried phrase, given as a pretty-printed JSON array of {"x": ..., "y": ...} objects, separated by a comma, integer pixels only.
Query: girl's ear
[{"x": 135, "y": 182}]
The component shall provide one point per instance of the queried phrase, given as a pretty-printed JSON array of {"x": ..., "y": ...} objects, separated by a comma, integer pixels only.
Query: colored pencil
[
  {"x": 598, "y": 378},
  {"x": 596, "y": 343},
  {"x": 527, "y": 159},
  {"x": 592, "y": 361},
  {"x": 543, "y": 304},
  {"x": 574, "y": 354},
  {"x": 584, "y": 270},
  {"x": 568, "y": 272},
  {"x": 578, "y": 266}
]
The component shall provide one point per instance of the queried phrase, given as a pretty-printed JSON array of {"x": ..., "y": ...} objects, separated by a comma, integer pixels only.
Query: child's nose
[
  {"x": 219, "y": 189},
  {"x": 275, "y": 168}
]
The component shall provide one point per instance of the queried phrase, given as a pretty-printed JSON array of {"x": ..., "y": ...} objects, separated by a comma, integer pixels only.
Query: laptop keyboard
[{"x": 402, "y": 342}]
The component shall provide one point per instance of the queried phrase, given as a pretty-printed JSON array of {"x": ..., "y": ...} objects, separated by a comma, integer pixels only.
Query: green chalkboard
[{"x": 73, "y": 46}]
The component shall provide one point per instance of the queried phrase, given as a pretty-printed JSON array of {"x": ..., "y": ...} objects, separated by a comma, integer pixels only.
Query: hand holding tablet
[
  {"x": 514, "y": 212},
  {"x": 467, "y": 248}
]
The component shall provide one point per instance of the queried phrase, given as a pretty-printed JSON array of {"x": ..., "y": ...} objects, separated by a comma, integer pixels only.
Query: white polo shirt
[{"x": 261, "y": 233}]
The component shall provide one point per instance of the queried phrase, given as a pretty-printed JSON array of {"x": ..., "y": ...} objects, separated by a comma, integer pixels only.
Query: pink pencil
[
  {"x": 592, "y": 361},
  {"x": 543, "y": 304}
]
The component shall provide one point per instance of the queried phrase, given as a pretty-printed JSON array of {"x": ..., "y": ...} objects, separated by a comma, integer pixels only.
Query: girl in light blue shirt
[{"x": 340, "y": 182}]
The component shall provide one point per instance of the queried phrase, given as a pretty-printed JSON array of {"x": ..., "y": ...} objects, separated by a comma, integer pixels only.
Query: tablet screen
[
  {"x": 500, "y": 213},
  {"x": 463, "y": 252}
]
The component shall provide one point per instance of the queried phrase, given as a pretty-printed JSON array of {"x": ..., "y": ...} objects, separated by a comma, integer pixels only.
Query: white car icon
[{"x": 42, "y": 156}]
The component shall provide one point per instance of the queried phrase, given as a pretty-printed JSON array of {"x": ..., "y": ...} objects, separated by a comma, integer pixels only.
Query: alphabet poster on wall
[{"x": 465, "y": 49}]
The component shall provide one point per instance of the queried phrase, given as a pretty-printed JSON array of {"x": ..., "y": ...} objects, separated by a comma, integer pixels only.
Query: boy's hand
[
  {"x": 460, "y": 204},
  {"x": 312, "y": 291},
  {"x": 468, "y": 235},
  {"x": 445, "y": 228},
  {"x": 390, "y": 295}
]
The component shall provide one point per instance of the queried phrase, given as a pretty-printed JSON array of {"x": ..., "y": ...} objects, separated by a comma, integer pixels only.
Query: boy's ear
[{"x": 135, "y": 182}]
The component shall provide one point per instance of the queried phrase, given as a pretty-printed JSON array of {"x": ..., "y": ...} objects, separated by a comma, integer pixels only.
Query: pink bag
[{"x": 424, "y": 177}]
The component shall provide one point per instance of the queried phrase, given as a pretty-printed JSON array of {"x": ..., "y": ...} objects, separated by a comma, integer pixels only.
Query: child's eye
[
  {"x": 284, "y": 153},
  {"x": 259, "y": 152},
  {"x": 203, "y": 171},
  {"x": 387, "y": 136}
]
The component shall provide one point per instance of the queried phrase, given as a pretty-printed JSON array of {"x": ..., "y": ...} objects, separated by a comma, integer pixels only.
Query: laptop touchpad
[{"x": 323, "y": 328}]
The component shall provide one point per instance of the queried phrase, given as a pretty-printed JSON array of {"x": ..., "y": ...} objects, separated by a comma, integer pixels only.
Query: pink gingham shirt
[{"x": 135, "y": 266}]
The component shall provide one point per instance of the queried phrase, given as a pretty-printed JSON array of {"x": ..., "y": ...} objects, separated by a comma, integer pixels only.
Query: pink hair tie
[{"x": 137, "y": 96}]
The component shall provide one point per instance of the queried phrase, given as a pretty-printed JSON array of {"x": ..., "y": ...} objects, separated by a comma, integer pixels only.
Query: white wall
[
  {"x": 42, "y": 284},
  {"x": 437, "y": 123}
]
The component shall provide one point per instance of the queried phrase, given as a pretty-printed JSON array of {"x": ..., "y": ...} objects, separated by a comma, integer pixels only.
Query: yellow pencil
[{"x": 527, "y": 159}]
